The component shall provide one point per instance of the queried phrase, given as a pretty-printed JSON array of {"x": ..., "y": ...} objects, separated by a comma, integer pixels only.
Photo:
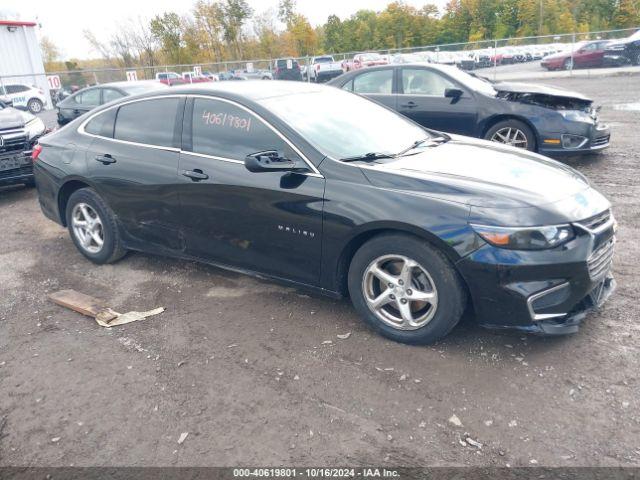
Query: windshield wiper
[
  {"x": 433, "y": 140},
  {"x": 368, "y": 157}
]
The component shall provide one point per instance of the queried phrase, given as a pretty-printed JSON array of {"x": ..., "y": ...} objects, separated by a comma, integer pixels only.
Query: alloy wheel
[
  {"x": 87, "y": 227},
  {"x": 400, "y": 292},
  {"x": 35, "y": 106},
  {"x": 511, "y": 136}
]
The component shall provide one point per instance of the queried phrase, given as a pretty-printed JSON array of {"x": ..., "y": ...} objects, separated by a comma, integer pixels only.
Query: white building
[{"x": 20, "y": 57}]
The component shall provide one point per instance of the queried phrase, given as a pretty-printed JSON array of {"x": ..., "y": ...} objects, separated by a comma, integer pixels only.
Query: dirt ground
[{"x": 256, "y": 374}]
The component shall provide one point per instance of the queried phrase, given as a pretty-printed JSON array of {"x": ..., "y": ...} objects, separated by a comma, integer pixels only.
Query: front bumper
[
  {"x": 596, "y": 138},
  {"x": 545, "y": 291}
]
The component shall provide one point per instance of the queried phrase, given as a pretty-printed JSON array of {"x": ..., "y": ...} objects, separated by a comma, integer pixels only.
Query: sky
[{"x": 64, "y": 21}]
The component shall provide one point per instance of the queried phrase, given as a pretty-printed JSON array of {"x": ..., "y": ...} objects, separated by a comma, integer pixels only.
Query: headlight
[
  {"x": 525, "y": 238},
  {"x": 577, "y": 116},
  {"x": 34, "y": 128}
]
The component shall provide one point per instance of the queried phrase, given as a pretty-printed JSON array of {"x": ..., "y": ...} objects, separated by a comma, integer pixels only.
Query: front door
[
  {"x": 269, "y": 222},
  {"x": 422, "y": 99}
]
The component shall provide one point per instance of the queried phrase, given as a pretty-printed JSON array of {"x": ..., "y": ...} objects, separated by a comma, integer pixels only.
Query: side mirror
[
  {"x": 454, "y": 93},
  {"x": 269, "y": 161}
]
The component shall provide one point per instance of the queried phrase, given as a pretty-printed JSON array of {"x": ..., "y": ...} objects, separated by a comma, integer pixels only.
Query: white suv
[{"x": 24, "y": 96}]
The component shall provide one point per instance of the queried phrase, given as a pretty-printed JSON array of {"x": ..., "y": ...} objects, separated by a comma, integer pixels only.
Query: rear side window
[
  {"x": 16, "y": 88},
  {"x": 150, "y": 122},
  {"x": 109, "y": 95},
  {"x": 224, "y": 130},
  {"x": 379, "y": 81},
  {"x": 102, "y": 124},
  {"x": 89, "y": 98}
]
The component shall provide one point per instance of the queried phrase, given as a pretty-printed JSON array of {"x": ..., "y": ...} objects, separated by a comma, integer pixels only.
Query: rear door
[
  {"x": 421, "y": 98},
  {"x": 377, "y": 85},
  {"x": 269, "y": 222},
  {"x": 133, "y": 163}
]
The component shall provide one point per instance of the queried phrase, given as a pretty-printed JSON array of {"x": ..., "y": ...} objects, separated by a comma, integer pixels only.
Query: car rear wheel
[
  {"x": 35, "y": 105},
  {"x": 514, "y": 133},
  {"x": 93, "y": 228},
  {"x": 405, "y": 289}
]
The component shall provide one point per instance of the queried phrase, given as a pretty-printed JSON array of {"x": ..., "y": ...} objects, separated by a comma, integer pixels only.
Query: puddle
[{"x": 628, "y": 106}]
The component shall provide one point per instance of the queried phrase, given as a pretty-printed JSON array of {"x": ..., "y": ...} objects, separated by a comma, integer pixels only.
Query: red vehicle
[
  {"x": 363, "y": 60},
  {"x": 170, "y": 78},
  {"x": 586, "y": 54}
]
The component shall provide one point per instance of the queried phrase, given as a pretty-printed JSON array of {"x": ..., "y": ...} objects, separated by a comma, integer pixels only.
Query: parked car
[
  {"x": 193, "y": 77},
  {"x": 89, "y": 98},
  {"x": 584, "y": 55},
  {"x": 623, "y": 52},
  {"x": 324, "y": 68},
  {"x": 170, "y": 78},
  {"x": 364, "y": 60},
  {"x": 257, "y": 75},
  {"x": 287, "y": 69},
  {"x": 19, "y": 132},
  {"x": 24, "y": 97},
  {"x": 537, "y": 118},
  {"x": 411, "y": 224}
]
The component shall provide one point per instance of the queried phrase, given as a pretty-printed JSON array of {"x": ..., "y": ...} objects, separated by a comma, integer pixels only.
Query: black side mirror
[
  {"x": 269, "y": 161},
  {"x": 454, "y": 93}
]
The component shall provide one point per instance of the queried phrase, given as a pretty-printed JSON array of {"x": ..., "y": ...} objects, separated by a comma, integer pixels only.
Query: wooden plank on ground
[{"x": 84, "y": 304}]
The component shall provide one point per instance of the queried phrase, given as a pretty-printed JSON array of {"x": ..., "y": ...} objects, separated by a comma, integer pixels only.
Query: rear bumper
[
  {"x": 326, "y": 76},
  {"x": 543, "y": 292},
  {"x": 615, "y": 60}
]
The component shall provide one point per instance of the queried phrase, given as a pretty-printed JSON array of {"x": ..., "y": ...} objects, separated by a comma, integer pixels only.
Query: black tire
[
  {"x": 112, "y": 249},
  {"x": 512, "y": 123},
  {"x": 636, "y": 59},
  {"x": 35, "y": 105},
  {"x": 452, "y": 294}
]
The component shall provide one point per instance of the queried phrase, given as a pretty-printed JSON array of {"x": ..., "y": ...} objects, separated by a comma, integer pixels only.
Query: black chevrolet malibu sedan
[
  {"x": 412, "y": 224},
  {"x": 547, "y": 120}
]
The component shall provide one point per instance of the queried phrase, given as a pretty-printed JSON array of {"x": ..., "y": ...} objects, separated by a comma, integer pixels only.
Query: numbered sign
[
  {"x": 54, "y": 82},
  {"x": 249, "y": 67},
  {"x": 197, "y": 70},
  {"x": 132, "y": 76},
  {"x": 289, "y": 64}
]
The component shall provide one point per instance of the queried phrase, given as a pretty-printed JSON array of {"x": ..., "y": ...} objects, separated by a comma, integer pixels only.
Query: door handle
[
  {"x": 105, "y": 159},
  {"x": 195, "y": 175},
  {"x": 409, "y": 105}
]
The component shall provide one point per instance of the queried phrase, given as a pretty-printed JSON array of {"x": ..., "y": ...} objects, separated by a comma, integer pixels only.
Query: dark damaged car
[
  {"x": 19, "y": 132},
  {"x": 551, "y": 121},
  {"x": 353, "y": 200}
]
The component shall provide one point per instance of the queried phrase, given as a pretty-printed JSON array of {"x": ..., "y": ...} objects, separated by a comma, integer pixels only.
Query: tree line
[{"x": 227, "y": 30}]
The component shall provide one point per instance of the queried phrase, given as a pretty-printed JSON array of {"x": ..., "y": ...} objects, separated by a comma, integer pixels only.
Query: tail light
[
  {"x": 35, "y": 153},
  {"x": 317, "y": 67}
]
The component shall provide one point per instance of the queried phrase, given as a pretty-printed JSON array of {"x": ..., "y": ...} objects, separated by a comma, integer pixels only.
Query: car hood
[
  {"x": 479, "y": 173},
  {"x": 12, "y": 118},
  {"x": 514, "y": 87}
]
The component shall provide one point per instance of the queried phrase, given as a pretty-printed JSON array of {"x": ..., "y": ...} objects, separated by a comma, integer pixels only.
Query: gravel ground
[{"x": 256, "y": 374}]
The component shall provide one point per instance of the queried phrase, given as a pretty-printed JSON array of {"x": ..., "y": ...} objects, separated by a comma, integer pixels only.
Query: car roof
[{"x": 252, "y": 89}]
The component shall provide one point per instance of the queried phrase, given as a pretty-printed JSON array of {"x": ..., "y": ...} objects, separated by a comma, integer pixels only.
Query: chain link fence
[{"x": 520, "y": 57}]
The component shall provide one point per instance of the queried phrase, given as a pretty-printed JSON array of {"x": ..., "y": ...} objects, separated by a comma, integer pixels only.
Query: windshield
[
  {"x": 474, "y": 83},
  {"x": 344, "y": 125},
  {"x": 367, "y": 57}
]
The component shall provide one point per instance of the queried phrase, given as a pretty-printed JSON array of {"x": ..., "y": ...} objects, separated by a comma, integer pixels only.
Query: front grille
[
  {"x": 13, "y": 142},
  {"x": 592, "y": 223},
  {"x": 598, "y": 142},
  {"x": 16, "y": 172},
  {"x": 600, "y": 260}
]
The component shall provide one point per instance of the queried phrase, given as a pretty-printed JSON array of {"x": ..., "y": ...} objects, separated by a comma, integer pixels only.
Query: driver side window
[
  {"x": 424, "y": 82},
  {"x": 221, "y": 129}
]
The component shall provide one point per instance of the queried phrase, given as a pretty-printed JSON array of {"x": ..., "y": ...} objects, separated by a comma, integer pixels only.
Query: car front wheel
[
  {"x": 93, "y": 228},
  {"x": 35, "y": 105},
  {"x": 405, "y": 289},
  {"x": 512, "y": 132}
]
